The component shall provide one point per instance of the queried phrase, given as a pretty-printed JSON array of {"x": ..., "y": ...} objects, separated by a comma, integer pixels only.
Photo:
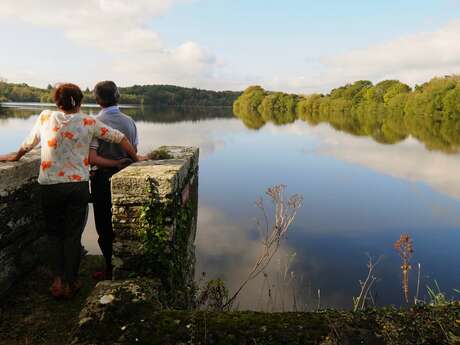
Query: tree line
[
  {"x": 388, "y": 111},
  {"x": 158, "y": 95}
]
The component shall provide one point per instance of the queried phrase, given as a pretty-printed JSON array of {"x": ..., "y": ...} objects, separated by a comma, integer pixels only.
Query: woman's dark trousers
[{"x": 65, "y": 207}]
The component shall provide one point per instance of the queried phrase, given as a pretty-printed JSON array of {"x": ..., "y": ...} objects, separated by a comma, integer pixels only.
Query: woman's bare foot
[{"x": 57, "y": 288}]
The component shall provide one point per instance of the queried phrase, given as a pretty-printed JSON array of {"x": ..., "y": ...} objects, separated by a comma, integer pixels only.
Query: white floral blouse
[{"x": 65, "y": 141}]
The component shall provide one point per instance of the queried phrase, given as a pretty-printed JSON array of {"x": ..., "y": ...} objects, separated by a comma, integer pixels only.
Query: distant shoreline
[
  {"x": 46, "y": 104},
  {"x": 24, "y": 105},
  {"x": 137, "y": 95}
]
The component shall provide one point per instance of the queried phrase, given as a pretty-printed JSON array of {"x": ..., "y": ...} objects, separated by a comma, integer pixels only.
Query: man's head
[{"x": 106, "y": 93}]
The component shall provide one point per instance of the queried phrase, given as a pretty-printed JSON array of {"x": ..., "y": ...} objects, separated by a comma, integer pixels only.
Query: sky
[{"x": 300, "y": 46}]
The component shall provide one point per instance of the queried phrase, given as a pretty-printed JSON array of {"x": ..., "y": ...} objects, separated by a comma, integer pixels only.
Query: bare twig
[
  {"x": 359, "y": 303},
  {"x": 285, "y": 212},
  {"x": 418, "y": 284},
  {"x": 319, "y": 300}
]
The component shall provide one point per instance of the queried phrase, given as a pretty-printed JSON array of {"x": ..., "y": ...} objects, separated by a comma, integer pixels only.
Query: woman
[{"x": 65, "y": 138}]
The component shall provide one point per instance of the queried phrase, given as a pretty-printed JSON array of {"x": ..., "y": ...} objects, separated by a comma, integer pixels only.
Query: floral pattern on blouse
[{"x": 65, "y": 141}]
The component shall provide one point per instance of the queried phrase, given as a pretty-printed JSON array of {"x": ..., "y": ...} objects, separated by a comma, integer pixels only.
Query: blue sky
[{"x": 299, "y": 46}]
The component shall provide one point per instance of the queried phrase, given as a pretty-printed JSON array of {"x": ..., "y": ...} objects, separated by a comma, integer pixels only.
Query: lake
[{"x": 359, "y": 197}]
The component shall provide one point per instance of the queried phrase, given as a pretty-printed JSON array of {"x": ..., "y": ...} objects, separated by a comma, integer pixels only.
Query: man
[{"x": 102, "y": 156}]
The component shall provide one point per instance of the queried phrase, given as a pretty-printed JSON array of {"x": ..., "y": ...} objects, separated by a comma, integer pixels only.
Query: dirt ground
[{"x": 31, "y": 316}]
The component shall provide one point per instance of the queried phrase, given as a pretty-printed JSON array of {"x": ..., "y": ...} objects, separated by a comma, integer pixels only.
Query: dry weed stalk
[
  {"x": 405, "y": 248},
  {"x": 359, "y": 303},
  {"x": 285, "y": 212}
]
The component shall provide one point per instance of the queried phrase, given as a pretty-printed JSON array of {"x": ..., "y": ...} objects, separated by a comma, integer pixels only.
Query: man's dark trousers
[{"x": 102, "y": 204}]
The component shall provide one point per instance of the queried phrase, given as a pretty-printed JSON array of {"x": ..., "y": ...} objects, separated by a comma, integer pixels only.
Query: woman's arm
[
  {"x": 29, "y": 143},
  {"x": 130, "y": 150},
  {"x": 13, "y": 157}
]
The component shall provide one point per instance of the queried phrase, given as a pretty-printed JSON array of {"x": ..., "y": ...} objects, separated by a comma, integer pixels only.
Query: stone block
[{"x": 160, "y": 244}]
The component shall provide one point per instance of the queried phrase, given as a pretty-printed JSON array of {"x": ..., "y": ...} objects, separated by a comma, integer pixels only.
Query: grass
[
  {"x": 31, "y": 316},
  {"x": 159, "y": 154}
]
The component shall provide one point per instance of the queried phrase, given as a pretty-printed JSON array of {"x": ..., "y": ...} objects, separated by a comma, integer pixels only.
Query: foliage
[
  {"x": 437, "y": 297},
  {"x": 159, "y": 154},
  {"x": 388, "y": 112},
  {"x": 246, "y": 107},
  {"x": 278, "y": 108},
  {"x": 213, "y": 296},
  {"x": 166, "y": 251}
]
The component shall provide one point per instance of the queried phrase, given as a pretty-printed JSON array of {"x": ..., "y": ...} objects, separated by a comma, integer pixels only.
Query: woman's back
[{"x": 65, "y": 142}]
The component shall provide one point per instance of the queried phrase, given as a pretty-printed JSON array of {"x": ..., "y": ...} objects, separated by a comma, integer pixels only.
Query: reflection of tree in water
[
  {"x": 178, "y": 114},
  {"x": 147, "y": 114},
  {"x": 388, "y": 112}
]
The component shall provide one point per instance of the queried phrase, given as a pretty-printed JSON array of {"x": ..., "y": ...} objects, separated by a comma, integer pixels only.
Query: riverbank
[
  {"x": 133, "y": 312},
  {"x": 29, "y": 315}
]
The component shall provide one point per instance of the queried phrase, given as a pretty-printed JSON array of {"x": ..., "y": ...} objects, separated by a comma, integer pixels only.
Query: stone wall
[
  {"x": 21, "y": 222},
  {"x": 154, "y": 218}
]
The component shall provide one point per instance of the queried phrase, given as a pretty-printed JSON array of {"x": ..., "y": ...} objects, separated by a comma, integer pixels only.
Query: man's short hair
[{"x": 106, "y": 93}]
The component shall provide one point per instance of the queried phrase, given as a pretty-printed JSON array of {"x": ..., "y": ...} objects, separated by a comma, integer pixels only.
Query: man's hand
[
  {"x": 10, "y": 157},
  {"x": 123, "y": 163}
]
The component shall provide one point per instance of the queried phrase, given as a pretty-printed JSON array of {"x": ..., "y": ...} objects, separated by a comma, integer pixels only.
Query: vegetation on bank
[
  {"x": 159, "y": 95},
  {"x": 388, "y": 111}
]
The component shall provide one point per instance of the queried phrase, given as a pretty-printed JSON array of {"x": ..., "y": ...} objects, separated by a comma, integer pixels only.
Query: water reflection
[
  {"x": 359, "y": 195},
  {"x": 385, "y": 122}
]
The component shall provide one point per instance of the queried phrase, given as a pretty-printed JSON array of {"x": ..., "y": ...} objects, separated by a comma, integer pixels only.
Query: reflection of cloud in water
[
  {"x": 209, "y": 135},
  {"x": 228, "y": 251},
  {"x": 89, "y": 238},
  {"x": 408, "y": 160}
]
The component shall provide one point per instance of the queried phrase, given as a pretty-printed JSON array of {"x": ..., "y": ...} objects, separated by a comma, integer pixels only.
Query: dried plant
[
  {"x": 213, "y": 296},
  {"x": 272, "y": 234},
  {"x": 405, "y": 248},
  {"x": 282, "y": 289},
  {"x": 359, "y": 303}
]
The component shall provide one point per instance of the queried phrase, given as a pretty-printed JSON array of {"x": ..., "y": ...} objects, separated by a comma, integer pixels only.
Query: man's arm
[{"x": 99, "y": 161}]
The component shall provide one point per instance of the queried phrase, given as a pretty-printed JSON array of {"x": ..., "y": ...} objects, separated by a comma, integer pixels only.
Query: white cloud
[
  {"x": 412, "y": 59},
  {"x": 121, "y": 31},
  {"x": 119, "y": 28}
]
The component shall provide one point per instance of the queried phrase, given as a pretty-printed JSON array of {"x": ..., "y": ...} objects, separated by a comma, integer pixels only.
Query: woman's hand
[
  {"x": 10, "y": 157},
  {"x": 141, "y": 158}
]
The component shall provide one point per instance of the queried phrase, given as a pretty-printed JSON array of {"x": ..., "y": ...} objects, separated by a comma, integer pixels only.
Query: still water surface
[{"x": 359, "y": 197}]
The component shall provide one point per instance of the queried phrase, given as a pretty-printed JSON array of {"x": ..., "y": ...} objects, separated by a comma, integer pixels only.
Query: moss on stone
[
  {"x": 419, "y": 325},
  {"x": 160, "y": 154}
]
